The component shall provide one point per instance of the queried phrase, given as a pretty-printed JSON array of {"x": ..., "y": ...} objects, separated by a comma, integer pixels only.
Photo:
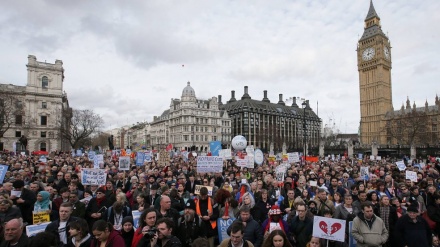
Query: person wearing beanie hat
[
  {"x": 127, "y": 230},
  {"x": 190, "y": 226},
  {"x": 412, "y": 230},
  {"x": 24, "y": 199},
  {"x": 275, "y": 221}
]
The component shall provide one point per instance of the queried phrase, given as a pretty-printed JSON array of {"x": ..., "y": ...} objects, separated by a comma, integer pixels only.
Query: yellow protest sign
[{"x": 40, "y": 217}]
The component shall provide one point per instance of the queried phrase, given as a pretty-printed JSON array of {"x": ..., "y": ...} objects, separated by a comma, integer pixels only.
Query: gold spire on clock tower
[{"x": 374, "y": 66}]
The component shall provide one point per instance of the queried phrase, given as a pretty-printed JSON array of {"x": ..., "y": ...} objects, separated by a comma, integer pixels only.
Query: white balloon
[{"x": 239, "y": 142}]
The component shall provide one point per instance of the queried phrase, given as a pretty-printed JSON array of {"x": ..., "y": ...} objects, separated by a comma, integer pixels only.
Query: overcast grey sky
[{"x": 123, "y": 59}]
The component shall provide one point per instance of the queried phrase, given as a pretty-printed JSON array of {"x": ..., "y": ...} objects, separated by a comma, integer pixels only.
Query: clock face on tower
[
  {"x": 386, "y": 52},
  {"x": 368, "y": 54}
]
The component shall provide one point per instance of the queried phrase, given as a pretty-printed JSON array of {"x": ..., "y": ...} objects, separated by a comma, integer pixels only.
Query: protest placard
[
  {"x": 209, "y": 164},
  {"x": 329, "y": 228},
  {"x": 147, "y": 157},
  {"x": 140, "y": 157},
  {"x": 258, "y": 157},
  {"x": 351, "y": 241},
  {"x": 40, "y": 217},
  {"x": 98, "y": 161},
  {"x": 92, "y": 155},
  {"x": 222, "y": 226},
  {"x": 136, "y": 215},
  {"x": 411, "y": 176},
  {"x": 3, "y": 170},
  {"x": 32, "y": 230},
  {"x": 241, "y": 162},
  {"x": 293, "y": 157},
  {"x": 198, "y": 187},
  {"x": 365, "y": 172},
  {"x": 401, "y": 165},
  {"x": 93, "y": 176},
  {"x": 124, "y": 163}
]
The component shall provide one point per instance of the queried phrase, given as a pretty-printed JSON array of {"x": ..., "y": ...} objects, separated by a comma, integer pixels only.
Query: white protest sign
[
  {"x": 313, "y": 183},
  {"x": 371, "y": 157},
  {"x": 98, "y": 161},
  {"x": 93, "y": 176},
  {"x": 401, "y": 165},
  {"x": 241, "y": 162},
  {"x": 16, "y": 193},
  {"x": 209, "y": 164},
  {"x": 32, "y": 230},
  {"x": 124, "y": 163},
  {"x": 92, "y": 155},
  {"x": 259, "y": 157},
  {"x": 43, "y": 159},
  {"x": 329, "y": 228},
  {"x": 411, "y": 176},
  {"x": 293, "y": 157},
  {"x": 378, "y": 157}
]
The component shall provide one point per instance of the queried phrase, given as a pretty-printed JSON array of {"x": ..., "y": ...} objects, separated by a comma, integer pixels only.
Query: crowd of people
[{"x": 268, "y": 209}]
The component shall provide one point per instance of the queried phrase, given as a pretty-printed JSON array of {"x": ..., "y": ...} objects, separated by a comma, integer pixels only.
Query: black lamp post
[{"x": 304, "y": 105}]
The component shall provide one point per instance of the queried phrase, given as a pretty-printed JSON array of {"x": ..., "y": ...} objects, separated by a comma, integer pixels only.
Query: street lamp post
[{"x": 304, "y": 105}]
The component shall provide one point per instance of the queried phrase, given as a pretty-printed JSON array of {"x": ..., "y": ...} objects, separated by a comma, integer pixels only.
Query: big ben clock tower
[{"x": 374, "y": 66}]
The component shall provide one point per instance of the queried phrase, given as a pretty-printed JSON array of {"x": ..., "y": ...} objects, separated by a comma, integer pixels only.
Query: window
[
  {"x": 44, "y": 105},
  {"x": 43, "y": 146},
  {"x": 45, "y": 82},
  {"x": 43, "y": 120},
  {"x": 18, "y": 119},
  {"x": 43, "y": 134},
  {"x": 17, "y": 133}
]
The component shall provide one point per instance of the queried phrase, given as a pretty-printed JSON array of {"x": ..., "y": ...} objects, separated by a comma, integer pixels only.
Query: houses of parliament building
[{"x": 380, "y": 123}]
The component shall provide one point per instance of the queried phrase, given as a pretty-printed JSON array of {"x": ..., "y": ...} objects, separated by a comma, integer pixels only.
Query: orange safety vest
[{"x": 213, "y": 222}]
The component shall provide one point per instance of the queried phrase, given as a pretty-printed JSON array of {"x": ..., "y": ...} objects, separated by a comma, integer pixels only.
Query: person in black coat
[
  {"x": 96, "y": 208},
  {"x": 25, "y": 202},
  {"x": 127, "y": 231},
  {"x": 79, "y": 232},
  {"x": 116, "y": 213},
  {"x": 412, "y": 230},
  {"x": 8, "y": 211},
  {"x": 190, "y": 185}
]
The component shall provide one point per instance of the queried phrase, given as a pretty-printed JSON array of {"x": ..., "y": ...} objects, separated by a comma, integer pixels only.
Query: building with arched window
[
  {"x": 39, "y": 111},
  {"x": 191, "y": 123}
]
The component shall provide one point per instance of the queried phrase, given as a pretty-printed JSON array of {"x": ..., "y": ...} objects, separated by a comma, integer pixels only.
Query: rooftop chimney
[
  {"x": 220, "y": 100},
  {"x": 245, "y": 95},
  {"x": 265, "y": 99},
  {"x": 280, "y": 101},
  {"x": 232, "y": 96},
  {"x": 294, "y": 102}
]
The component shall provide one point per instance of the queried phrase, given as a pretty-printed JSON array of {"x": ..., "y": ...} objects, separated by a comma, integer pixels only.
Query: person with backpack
[
  {"x": 190, "y": 226},
  {"x": 116, "y": 213}
]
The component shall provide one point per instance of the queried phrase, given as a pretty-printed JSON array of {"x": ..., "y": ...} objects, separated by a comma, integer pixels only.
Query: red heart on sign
[
  {"x": 335, "y": 227},
  {"x": 323, "y": 226}
]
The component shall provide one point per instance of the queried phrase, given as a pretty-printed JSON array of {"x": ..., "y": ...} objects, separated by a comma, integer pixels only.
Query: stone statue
[
  {"x": 23, "y": 142},
  {"x": 110, "y": 143}
]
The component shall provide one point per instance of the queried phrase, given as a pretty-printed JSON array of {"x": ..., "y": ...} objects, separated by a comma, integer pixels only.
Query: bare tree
[
  {"x": 408, "y": 128},
  {"x": 11, "y": 111},
  {"x": 83, "y": 124}
]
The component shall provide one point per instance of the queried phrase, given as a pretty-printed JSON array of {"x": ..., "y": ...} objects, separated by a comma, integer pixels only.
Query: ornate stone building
[
  {"x": 374, "y": 66},
  {"x": 45, "y": 108},
  {"x": 264, "y": 123},
  {"x": 380, "y": 123},
  {"x": 191, "y": 123}
]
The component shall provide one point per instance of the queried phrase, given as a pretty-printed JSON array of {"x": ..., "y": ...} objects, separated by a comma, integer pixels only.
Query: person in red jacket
[{"x": 105, "y": 235}]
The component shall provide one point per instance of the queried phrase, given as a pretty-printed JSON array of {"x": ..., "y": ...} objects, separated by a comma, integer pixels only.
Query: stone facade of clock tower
[{"x": 374, "y": 66}]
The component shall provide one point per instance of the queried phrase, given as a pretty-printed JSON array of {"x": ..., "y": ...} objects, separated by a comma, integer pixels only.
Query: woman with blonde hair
[{"x": 248, "y": 200}]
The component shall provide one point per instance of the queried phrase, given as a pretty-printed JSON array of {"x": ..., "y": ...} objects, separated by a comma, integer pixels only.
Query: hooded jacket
[{"x": 376, "y": 235}]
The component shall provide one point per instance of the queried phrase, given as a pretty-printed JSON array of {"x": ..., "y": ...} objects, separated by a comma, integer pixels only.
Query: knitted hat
[
  {"x": 127, "y": 219},
  {"x": 102, "y": 190},
  {"x": 190, "y": 204},
  {"x": 274, "y": 210}
]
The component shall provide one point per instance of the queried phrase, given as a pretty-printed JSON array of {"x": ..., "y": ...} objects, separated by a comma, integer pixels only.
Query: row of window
[
  {"x": 43, "y": 134},
  {"x": 19, "y": 120}
]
